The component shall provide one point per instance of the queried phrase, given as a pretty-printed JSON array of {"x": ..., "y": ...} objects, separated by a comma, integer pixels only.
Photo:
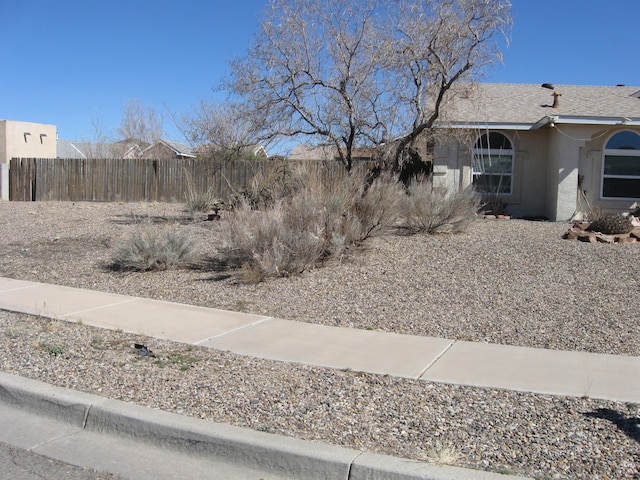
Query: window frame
[
  {"x": 487, "y": 153},
  {"x": 618, "y": 152}
]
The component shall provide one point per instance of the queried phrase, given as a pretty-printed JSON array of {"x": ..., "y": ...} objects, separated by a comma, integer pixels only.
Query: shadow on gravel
[
  {"x": 212, "y": 265},
  {"x": 629, "y": 425},
  {"x": 131, "y": 219}
]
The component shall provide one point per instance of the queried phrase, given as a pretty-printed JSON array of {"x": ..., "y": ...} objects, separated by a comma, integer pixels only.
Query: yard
[{"x": 511, "y": 282}]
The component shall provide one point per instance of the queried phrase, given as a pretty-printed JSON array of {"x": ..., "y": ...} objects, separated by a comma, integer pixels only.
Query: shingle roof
[
  {"x": 179, "y": 148},
  {"x": 529, "y": 103}
]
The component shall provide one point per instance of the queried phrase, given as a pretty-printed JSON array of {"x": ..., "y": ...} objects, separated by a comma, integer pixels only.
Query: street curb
[{"x": 275, "y": 454}]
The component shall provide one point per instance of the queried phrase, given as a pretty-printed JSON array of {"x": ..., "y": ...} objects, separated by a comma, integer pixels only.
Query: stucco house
[
  {"x": 23, "y": 140},
  {"x": 546, "y": 150},
  {"x": 168, "y": 149}
]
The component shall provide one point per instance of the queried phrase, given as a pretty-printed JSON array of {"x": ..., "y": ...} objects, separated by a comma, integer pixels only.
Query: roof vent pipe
[{"x": 556, "y": 100}]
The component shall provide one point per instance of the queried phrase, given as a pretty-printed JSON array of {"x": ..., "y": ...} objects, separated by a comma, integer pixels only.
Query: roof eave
[
  {"x": 546, "y": 121},
  {"x": 486, "y": 125},
  {"x": 584, "y": 120}
]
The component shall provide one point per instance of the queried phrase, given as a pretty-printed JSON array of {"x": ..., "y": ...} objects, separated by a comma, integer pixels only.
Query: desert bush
[
  {"x": 277, "y": 240},
  {"x": 374, "y": 208},
  {"x": 492, "y": 204},
  {"x": 151, "y": 248},
  {"x": 427, "y": 209},
  {"x": 198, "y": 200},
  {"x": 266, "y": 188},
  {"x": 610, "y": 223},
  {"x": 324, "y": 212}
]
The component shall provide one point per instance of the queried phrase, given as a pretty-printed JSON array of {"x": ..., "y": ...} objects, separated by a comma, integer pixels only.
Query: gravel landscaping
[{"x": 511, "y": 282}]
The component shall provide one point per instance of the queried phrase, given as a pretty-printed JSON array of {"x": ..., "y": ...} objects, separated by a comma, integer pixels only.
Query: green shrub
[
  {"x": 53, "y": 350},
  {"x": 430, "y": 210},
  {"x": 149, "y": 248}
]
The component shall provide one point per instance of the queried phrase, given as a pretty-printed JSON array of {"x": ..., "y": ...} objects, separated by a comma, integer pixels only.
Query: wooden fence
[{"x": 125, "y": 180}]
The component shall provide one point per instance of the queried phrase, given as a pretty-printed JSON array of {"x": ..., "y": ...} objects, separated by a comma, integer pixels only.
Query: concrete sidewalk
[{"x": 609, "y": 377}]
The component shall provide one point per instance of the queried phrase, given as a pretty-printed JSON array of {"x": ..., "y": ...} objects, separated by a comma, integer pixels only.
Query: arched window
[
  {"x": 621, "y": 166},
  {"x": 492, "y": 164}
]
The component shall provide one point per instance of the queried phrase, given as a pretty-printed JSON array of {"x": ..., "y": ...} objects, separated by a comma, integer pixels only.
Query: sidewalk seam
[
  {"x": 424, "y": 370},
  {"x": 129, "y": 300},
  {"x": 234, "y": 330}
]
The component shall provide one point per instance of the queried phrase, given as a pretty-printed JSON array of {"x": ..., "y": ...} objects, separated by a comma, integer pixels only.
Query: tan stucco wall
[
  {"x": 591, "y": 160},
  {"x": 565, "y": 143},
  {"x": 452, "y": 169},
  {"x": 26, "y": 140},
  {"x": 551, "y": 164}
]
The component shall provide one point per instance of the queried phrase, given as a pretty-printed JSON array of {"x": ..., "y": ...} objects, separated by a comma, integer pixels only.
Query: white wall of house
[
  {"x": 564, "y": 147},
  {"x": 4, "y": 181}
]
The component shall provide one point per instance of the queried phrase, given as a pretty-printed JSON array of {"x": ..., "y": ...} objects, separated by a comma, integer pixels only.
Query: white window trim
[
  {"x": 497, "y": 152},
  {"x": 620, "y": 153}
]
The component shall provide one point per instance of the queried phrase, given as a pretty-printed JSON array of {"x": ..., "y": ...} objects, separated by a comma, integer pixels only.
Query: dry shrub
[
  {"x": 266, "y": 188},
  {"x": 430, "y": 210},
  {"x": 324, "y": 212},
  {"x": 278, "y": 240},
  {"x": 199, "y": 199},
  {"x": 152, "y": 248}
]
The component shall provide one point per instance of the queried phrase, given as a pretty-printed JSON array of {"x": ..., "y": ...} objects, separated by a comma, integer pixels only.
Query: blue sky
[{"x": 68, "y": 62}]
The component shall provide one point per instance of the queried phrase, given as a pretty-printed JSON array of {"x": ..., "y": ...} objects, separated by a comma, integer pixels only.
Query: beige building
[
  {"x": 545, "y": 150},
  {"x": 23, "y": 140},
  {"x": 26, "y": 140}
]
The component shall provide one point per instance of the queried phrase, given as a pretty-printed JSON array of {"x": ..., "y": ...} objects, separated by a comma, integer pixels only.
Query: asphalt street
[{"x": 19, "y": 464}]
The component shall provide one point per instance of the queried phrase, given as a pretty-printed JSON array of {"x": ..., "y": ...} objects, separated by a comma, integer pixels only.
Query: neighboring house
[
  {"x": 167, "y": 149},
  {"x": 255, "y": 151},
  {"x": 98, "y": 150},
  {"x": 551, "y": 151},
  {"x": 23, "y": 140},
  {"x": 325, "y": 153},
  {"x": 309, "y": 152}
]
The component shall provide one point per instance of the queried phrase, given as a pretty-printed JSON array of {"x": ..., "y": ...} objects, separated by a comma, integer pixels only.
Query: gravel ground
[{"x": 510, "y": 282}]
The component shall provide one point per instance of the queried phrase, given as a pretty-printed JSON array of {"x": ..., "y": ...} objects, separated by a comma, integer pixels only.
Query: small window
[
  {"x": 492, "y": 164},
  {"x": 621, "y": 166}
]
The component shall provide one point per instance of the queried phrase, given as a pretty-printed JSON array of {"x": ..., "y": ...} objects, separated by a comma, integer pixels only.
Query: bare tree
[
  {"x": 217, "y": 129},
  {"x": 99, "y": 146},
  {"x": 364, "y": 73},
  {"x": 140, "y": 124}
]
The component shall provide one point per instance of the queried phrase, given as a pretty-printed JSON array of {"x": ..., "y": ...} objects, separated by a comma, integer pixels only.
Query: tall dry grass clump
[
  {"x": 427, "y": 209},
  {"x": 198, "y": 199},
  {"x": 320, "y": 213},
  {"x": 149, "y": 247}
]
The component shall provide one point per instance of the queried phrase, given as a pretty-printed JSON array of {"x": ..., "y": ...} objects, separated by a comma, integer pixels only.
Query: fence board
[{"x": 129, "y": 180}]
